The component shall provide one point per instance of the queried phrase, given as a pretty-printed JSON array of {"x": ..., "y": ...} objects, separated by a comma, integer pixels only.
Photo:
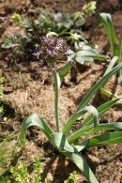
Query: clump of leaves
[{"x": 62, "y": 138}]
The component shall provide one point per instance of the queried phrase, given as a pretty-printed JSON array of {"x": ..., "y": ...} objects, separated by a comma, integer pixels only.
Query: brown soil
[{"x": 28, "y": 89}]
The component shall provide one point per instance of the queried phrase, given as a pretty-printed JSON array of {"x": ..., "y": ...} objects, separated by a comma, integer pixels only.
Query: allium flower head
[{"x": 52, "y": 49}]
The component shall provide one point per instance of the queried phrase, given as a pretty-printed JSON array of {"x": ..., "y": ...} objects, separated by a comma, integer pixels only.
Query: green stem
[{"x": 55, "y": 75}]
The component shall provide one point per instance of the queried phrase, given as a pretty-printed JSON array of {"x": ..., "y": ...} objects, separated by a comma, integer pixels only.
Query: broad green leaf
[
  {"x": 88, "y": 55},
  {"x": 59, "y": 141},
  {"x": 104, "y": 139},
  {"x": 97, "y": 86},
  {"x": 78, "y": 114},
  {"x": 101, "y": 110},
  {"x": 86, "y": 124},
  {"x": 81, "y": 146},
  {"x": 82, "y": 59},
  {"x": 89, "y": 129},
  {"x": 34, "y": 120},
  {"x": 80, "y": 162}
]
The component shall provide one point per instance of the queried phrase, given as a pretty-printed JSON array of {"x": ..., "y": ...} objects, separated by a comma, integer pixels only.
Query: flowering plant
[{"x": 63, "y": 139}]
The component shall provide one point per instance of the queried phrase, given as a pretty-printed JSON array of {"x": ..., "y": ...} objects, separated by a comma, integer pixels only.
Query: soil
[{"x": 29, "y": 89}]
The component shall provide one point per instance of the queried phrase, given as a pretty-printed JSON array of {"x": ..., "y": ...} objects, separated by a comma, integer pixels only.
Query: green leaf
[
  {"x": 78, "y": 114},
  {"x": 101, "y": 110},
  {"x": 34, "y": 120},
  {"x": 80, "y": 21},
  {"x": 88, "y": 55},
  {"x": 106, "y": 20},
  {"x": 97, "y": 86},
  {"x": 71, "y": 55},
  {"x": 87, "y": 125},
  {"x": 120, "y": 60},
  {"x": 111, "y": 65},
  {"x": 104, "y": 139},
  {"x": 82, "y": 165},
  {"x": 64, "y": 70},
  {"x": 59, "y": 141},
  {"x": 89, "y": 129},
  {"x": 82, "y": 59},
  {"x": 26, "y": 23}
]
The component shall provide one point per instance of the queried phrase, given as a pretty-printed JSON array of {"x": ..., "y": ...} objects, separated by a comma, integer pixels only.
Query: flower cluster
[{"x": 52, "y": 49}]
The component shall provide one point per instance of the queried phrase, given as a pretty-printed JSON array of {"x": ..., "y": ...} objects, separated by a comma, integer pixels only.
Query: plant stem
[{"x": 55, "y": 75}]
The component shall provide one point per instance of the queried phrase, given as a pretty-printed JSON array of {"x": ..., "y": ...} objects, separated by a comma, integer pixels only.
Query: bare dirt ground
[{"x": 28, "y": 89}]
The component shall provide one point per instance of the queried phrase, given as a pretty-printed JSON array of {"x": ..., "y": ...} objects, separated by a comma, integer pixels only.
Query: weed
[{"x": 20, "y": 174}]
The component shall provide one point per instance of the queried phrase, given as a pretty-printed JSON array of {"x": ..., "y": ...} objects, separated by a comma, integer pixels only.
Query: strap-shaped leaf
[
  {"x": 97, "y": 86},
  {"x": 34, "y": 120},
  {"x": 86, "y": 125},
  {"x": 89, "y": 129},
  {"x": 88, "y": 55},
  {"x": 101, "y": 110},
  {"x": 111, "y": 64},
  {"x": 104, "y": 139},
  {"x": 106, "y": 20},
  {"x": 59, "y": 140},
  {"x": 78, "y": 114},
  {"x": 82, "y": 165},
  {"x": 120, "y": 59}
]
